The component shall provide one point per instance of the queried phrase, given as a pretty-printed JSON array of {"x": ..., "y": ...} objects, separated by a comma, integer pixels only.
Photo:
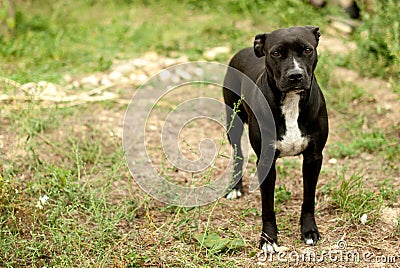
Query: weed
[
  {"x": 249, "y": 211},
  {"x": 352, "y": 198},
  {"x": 388, "y": 192},
  {"x": 287, "y": 167},
  {"x": 215, "y": 243},
  {"x": 282, "y": 194}
]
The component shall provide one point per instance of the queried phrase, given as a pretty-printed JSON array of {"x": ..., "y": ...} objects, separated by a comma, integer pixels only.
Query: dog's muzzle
[
  {"x": 295, "y": 80},
  {"x": 295, "y": 76}
]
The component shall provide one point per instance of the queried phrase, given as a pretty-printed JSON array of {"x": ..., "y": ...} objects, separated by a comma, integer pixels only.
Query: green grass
[
  {"x": 366, "y": 140},
  {"x": 282, "y": 194},
  {"x": 95, "y": 217},
  {"x": 353, "y": 199},
  {"x": 374, "y": 142},
  {"x": 77, "y": 180},
  {"x": 353, "y": 195},
  {"x": 389, "y": 193}
]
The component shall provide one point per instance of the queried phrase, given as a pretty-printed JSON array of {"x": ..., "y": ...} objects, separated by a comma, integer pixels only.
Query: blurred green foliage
[
  {"x": 56, "y": 37},
  {"x": 378, "y": 40},
  {"x": 7, "y": 16},
  {"x": 52, "y": 38}
]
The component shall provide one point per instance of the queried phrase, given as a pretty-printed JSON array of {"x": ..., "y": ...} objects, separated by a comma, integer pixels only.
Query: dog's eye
[
  {"x": 276, "y": 53},
  {"x": 307, "y": 50}
]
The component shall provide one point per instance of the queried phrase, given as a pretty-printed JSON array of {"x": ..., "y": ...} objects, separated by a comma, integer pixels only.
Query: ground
[{"x": 64, "y": 141}]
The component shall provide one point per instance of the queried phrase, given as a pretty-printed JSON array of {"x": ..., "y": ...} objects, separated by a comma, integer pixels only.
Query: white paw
[
  {"x": 309, "y": 241},
  {"x": 234, "y": 194},
  {"x": 270, "y": 248}
]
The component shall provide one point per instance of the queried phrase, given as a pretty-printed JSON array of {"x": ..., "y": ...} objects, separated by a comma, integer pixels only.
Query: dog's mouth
[
  {"x": 296, "y": 90},
  {"x": 290, "y": 87}
]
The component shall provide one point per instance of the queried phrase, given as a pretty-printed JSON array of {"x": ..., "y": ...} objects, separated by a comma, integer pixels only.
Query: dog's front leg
[
  {"x": 311, "y": 168},
  {"x": 269, "y": 235}
]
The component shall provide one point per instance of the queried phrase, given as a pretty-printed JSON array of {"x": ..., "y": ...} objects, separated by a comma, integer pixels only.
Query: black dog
[{"x": 282, "y": 65}]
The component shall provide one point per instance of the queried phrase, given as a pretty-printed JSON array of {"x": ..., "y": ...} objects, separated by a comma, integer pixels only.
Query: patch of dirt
[
  {"x": 384, "y": 108},
  {"x": 336, "y": 45}
]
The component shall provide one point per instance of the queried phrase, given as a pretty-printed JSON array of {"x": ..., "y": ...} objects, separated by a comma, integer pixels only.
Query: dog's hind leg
[
  {"x": 235, "y": 131},
  {"x": 235, "y": 118}
]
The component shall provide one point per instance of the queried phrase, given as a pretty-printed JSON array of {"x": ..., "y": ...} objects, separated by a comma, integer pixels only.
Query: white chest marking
[{"x": 292, "y": 143}]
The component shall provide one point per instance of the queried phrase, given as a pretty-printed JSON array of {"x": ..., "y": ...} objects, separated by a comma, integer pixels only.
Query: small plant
[
  {"x": 216, "y": 244},
  {"x": 249, "y": 211},
  {"x": 388, "y": 192},
  {"x": 282, "y": 194},
  {"x": 288, "y": 167},
  {"x": 354, "y": 199}
]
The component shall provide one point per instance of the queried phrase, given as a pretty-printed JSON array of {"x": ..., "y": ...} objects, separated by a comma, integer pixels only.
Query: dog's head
[{"x": 290, "y": 56}]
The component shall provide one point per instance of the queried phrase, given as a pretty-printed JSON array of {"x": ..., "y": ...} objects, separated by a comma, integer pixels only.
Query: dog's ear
[
  {"x": 315, "y": 31},
  {"x": 259, "y": 42}
]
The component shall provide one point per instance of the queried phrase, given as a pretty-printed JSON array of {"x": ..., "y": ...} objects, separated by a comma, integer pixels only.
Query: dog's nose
[{"x": 295, "y": 76}]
